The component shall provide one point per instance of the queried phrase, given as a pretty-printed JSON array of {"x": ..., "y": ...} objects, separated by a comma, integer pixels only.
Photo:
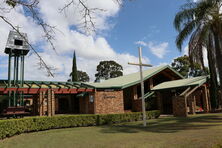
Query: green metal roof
[
  {"x": 196, "y": 81},
  {"x": 131, "y": 79}
]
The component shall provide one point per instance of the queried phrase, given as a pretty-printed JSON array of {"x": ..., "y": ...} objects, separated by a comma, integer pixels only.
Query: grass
[{"x": 199, "y": 131}]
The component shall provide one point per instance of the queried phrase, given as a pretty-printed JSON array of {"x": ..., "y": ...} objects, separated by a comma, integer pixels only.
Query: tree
[
  {"x": 74, "y": 69},
  {"x": 81, "y": 76},
  {"x": 183, "y": 66},
  {"x": 201, "y": 21},
  {"x": 108, "y": 69}
]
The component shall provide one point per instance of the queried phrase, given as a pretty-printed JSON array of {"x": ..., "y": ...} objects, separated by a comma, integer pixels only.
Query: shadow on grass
[{"x": 167, "y": 124}]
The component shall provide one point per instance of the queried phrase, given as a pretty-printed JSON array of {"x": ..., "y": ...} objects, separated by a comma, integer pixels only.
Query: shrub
[{"x": 12, "y": 127}]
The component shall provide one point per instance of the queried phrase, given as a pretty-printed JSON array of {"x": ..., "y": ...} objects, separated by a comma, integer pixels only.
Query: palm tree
[
  {"x": 199, "y": 41},
  {"x": 202, "y": 22}
]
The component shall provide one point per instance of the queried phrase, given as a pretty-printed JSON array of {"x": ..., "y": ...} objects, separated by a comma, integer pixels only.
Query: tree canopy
[
  {"x": 108, "y": 69},
  {"x": 81, "y": 76},
  {"x": 183, "y": 66}
]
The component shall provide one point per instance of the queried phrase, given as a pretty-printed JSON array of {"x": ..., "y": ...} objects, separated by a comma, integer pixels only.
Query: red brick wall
[
  {"x": 179, "y": 106},
  {"x": 109, "y": 102}
]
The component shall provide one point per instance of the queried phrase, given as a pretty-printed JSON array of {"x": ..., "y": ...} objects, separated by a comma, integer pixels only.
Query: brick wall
[
  {"x": 46, "y": 103},
  {"x": 108, "y": 102},
  {"x": 179, "y": 106},
  {"x": 191, "y": 102}
]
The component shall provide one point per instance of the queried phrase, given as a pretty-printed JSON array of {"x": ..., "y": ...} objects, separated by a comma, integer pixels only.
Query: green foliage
[
  {"x": 77, "y": 75},
  {"x": 11, "y": 3},
  {"x": 151, "y": 103},
  {"x": 108, "y": 69},
  {"x": 183, "y": 66},
  {"x": 13, "y": 127},
  {"x": 74, "y": 69},
  {"x": 81, "y": 76}
]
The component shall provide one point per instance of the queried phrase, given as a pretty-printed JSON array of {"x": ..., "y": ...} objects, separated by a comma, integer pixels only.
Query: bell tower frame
[{"x": 16, "y": 48}]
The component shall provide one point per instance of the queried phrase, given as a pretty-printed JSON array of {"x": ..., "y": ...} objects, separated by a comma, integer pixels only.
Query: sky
[{"x": 119, "y": 33}]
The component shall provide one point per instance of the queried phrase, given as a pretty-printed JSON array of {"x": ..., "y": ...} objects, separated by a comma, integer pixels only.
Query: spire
[{"x": 74, "y": 68}]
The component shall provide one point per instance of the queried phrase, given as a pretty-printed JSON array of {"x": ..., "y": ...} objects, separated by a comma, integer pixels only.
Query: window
[
  {"x": 91, "y": 99},
  {"x": 18, "y": 42},
  {"x": 139, "y": 94}
]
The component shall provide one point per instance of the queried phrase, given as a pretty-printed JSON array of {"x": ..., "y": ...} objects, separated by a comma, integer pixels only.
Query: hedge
[{"x": 11, "y": 127}]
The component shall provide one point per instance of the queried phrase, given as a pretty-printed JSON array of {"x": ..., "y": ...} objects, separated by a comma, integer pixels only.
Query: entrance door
[
  {"x": 63, "y": 105},
  {"x": 167, "y": 103}
]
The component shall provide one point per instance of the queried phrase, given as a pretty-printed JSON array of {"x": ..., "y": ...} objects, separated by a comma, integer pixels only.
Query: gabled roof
[
  {"x": 131, "y": 79},
  {"x": 196, "y": 81}
]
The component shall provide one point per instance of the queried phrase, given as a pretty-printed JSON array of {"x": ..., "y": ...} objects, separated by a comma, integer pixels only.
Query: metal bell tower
[{"x": 17, "y": 48}]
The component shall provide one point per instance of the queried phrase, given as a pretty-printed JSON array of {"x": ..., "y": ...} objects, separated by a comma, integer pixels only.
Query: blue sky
[{"x": 149, "y": 22}]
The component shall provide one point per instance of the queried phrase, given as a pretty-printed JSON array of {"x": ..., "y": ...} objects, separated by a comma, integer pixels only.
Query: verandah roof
[
  {"x": 36, "y": 86},
  {"x": 196, "y": 81}
]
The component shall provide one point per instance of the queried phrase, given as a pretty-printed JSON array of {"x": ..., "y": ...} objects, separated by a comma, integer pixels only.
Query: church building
[{"x": 169, "y": 91}]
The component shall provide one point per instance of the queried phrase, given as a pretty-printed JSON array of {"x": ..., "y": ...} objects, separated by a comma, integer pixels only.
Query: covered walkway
[{"x": 183, "y": 96}]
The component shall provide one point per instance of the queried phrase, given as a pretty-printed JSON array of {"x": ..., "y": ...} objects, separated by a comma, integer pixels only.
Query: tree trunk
[
  {"x": 213, "y": 74},
  {"x": 218, "y": 56}
]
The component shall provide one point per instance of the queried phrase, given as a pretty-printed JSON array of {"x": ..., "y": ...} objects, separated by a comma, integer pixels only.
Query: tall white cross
[{"x": 142, "y": 84}]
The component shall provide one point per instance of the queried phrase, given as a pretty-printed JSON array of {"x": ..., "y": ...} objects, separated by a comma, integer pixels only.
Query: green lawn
[{"x": 201, "y": 131}]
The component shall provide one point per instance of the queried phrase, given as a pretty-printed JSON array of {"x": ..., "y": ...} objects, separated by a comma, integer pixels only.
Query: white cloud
[
  {"x": 74, "y": 14},
  {"x": 90, "y": 49},
  {"x": 160, "y": 50},
  {"x": 142, "y": 43}
]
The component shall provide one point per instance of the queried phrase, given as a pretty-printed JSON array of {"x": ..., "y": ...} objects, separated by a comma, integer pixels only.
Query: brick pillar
[
  {"x": 179, "y": 106},
  {"x": 209, "y": 103},
  {"x": 53, "y": 103},
  {"x": 95, "y": 102},
  {"x": 205, "y": 100},
  {"x": 49, "y": 103},
  {"x": 40, "y": 103},
  {"x": 192, "y": 104}
]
